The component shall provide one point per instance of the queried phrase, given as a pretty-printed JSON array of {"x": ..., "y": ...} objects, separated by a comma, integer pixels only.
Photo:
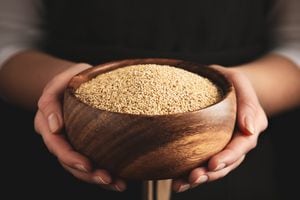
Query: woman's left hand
[{"x": 251, "y": 121}]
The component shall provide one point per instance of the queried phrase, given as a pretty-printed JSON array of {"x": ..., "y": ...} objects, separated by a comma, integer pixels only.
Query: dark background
[{"x": 29, "y": 170}]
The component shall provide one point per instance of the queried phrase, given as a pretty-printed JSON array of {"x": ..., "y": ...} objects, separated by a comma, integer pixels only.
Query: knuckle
[
  {"x": 36, "y": 129},
  {"x": 253, "y": 144},
  {"x": 261, "y": 119},
  {"x": 43, "y": 103},
  {"x": 265, "y": 123},
  {"x": 36, "y": 124}
]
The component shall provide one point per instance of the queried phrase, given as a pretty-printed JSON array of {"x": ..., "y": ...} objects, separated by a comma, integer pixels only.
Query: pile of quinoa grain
[{"x": 149, "y": 89}]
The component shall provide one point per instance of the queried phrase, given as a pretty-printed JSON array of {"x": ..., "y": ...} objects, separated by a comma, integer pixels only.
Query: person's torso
[{"x": 208, "y": 31}]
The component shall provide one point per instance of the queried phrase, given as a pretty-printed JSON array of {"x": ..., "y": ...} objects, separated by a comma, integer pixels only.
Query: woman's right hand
[{"x": 49, "y": 123}]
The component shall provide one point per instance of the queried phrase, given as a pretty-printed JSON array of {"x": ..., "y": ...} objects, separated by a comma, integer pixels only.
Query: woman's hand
[
  {"x": 251, "y": 121},
  {"x": 49, "y": 122}
]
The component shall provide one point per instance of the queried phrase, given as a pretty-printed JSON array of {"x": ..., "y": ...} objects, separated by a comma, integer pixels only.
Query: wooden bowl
[{"x": 149, "y": 147}]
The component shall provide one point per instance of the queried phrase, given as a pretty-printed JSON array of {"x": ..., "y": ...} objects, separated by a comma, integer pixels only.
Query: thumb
[
  {"x": 49, "y": 103},
  {"x": 250, "y": 115},
  {"x": 248, "y": 106},
  {"x": 50, "y": 108}
]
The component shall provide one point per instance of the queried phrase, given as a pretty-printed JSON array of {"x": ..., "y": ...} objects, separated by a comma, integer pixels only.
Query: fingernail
[
  {"x": 80, "y": 167},
  {"x": 100, "y": 180},
  {"x": 53, "y": 123},
  {"x": 184, "y": 187},
  {"x": 220, "y": 166},
  {"x": 250, "y": 130},
  {"x": 201, "y": 179},
  {"x": 118, "y": 188}
]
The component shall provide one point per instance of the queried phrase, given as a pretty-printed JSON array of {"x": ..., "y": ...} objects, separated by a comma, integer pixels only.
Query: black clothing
[{"x": 95, "y": 31}]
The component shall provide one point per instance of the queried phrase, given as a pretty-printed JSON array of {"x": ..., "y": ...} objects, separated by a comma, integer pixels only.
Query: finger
[
  {"x": 119, "y": 185},
  {"x": 238, "y": 146},
  {"x": 248, "y": 105},
  {"x": 198, "y": 176},
  {"x": 37, "y": 119},
  {"x": 64, "y": 152},
  {"x": 50, "y": 108},
  {"x": 100, "y": 177},
  {"x": 49, "y": 103},
  {"x": 250, "y": 115},
  {"x": 87, "y": 177},
  {"x": 209, "y": 176},
  {"x": 180, "y": 185},
  {"x": 103, "y": 176},
  {"x": 58, "y": 145},
  {"x": 236, "y": 149},
  {"x": 214, "y": 175}
]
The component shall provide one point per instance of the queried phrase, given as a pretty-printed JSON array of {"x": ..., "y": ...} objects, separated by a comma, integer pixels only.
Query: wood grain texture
[{"x": 145, "y": 147}]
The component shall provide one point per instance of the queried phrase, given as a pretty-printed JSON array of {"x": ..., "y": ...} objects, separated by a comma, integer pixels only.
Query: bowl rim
[{"x": 112, "y": 65}]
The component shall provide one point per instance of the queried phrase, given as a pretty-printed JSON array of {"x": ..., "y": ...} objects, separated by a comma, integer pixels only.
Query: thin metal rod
[
  {"x": 157, "y": 190},
  {"x": 148, "y": 190},
  {"x": 163, "y": 189}
]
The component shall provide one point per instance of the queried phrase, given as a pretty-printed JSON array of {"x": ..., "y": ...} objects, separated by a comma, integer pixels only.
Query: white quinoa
[{"x": 149, "y": 89}]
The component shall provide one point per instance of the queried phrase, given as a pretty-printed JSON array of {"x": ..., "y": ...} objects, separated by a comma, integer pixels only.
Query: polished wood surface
[{"x": 145, "y": 147}]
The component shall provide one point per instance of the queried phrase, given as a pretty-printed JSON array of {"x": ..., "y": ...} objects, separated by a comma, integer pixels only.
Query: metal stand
[{"x": 157, "y": 190}]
